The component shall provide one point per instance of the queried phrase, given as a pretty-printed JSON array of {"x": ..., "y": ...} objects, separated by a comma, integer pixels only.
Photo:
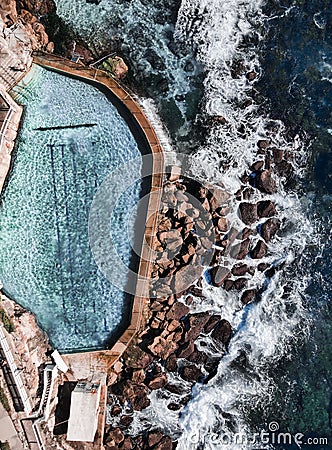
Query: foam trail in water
[{"x": 263, "y": 331}]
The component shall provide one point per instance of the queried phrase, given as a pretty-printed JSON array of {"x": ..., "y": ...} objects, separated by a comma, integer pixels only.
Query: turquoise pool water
[{"x": 45, "y": 260}]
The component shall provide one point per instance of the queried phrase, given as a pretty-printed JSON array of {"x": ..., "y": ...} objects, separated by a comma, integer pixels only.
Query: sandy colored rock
[
  {"x": 219, "y": 198},
  {"x": 175, "y": 173},
  {"x": 186, "y": 276},
  {"x": 119, "y": 67},
  {"x": 162, "y": 347},
  {"x": 219, "y": 275}
]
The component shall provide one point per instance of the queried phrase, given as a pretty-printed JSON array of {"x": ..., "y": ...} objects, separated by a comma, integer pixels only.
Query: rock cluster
[
  {"x": 188, "y": 225},
  {"x": 118, "y": 67},
  {"x": 194, "y": 227}
]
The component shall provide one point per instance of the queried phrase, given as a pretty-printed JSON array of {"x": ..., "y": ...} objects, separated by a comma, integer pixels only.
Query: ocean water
[
  {"x": 46, "y": 264},
  {"x": 276, "y": 374}
]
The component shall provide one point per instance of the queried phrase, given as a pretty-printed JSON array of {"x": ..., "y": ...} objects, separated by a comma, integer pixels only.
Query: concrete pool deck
[
  {"x": 10, "y": 117},
  {"x": 83, "y": 363}
]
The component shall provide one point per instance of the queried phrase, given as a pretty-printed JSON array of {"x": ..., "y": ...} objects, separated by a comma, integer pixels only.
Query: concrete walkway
[
  {"x": 9, "y": 123},
  {"x": 8, "y": 432}
]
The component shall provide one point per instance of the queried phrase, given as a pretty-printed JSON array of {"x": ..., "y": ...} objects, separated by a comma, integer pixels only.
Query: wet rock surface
[{"x": 187, "y": 231}]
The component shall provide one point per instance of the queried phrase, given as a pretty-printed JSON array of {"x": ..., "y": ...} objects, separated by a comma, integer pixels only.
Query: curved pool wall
[{"x": 45, "y": 260}]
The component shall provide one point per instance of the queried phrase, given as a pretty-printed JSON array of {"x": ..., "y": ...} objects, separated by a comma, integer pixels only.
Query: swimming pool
[{"x": 72, "y": 137}]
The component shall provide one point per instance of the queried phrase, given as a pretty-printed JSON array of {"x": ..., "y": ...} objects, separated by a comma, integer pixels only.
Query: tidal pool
[{"x": 46, "y": 263}]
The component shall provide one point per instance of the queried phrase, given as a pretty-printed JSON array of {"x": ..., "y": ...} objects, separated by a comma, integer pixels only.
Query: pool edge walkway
[
  {"x": 67, "y": 67},
  {"x": 8, "y": 132}
]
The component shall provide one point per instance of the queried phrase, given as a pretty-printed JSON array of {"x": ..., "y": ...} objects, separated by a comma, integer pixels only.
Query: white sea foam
[{"x": 263, "y": 331}]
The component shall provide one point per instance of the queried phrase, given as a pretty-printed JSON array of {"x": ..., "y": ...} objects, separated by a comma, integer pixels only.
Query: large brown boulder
[
  {"x": 137, "y": 395},
  {"x": 191, "y": 373},
  {"x": 266, "y": 183},
  {"x": 126, "y": 421},
  {"x": 263, "y": 144},
  {"x": 266, "y": 208},
  {"x": 137, "y": 358},
  {"x": 259, "y": 250},
  {"x": 158, "y": 382},
  {"x": 212, "y": 322},
  {"x": 115, "y": 437},
  {"x": 171, "y": 363},
  {"x": 218, "y": 275},
  {"x": 240, "y": 283},
  {"x": 277, "y": 155},
  {"x": 241, "y": 250},
  {"x": 284, "y": 169},
  {"x": 186, "y": 349},
  {"x": 177, "y": 311},
  {"x": 248, "y": 213},
  {"x": 127, "y": 444},
  {"x": 248, "y": 296},
  {"x": 269, "y": 229},
  {"x": 196, "y": 324},
  {"x": 154, "y": 437},
  {"x": 164, "y": 444},
  {"x": 222, "y": 332},
  {"x": 239, "y": 270}
]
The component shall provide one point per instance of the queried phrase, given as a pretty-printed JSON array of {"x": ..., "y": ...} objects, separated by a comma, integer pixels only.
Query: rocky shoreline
[{"x": 173, "y": 340}]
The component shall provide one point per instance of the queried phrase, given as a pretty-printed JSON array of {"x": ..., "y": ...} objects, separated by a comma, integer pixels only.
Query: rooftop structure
[{"x": 84, "y": 410}]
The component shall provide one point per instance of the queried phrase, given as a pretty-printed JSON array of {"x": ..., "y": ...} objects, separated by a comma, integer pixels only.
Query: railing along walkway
[{"x": 15, "y": 372}]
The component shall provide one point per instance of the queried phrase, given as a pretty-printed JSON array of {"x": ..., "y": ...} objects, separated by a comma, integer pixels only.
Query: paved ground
[{"x": 8, "y": 432}]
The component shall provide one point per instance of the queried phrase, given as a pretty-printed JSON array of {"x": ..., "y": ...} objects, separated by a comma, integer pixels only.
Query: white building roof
[{"x": 84, "y": 409}]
